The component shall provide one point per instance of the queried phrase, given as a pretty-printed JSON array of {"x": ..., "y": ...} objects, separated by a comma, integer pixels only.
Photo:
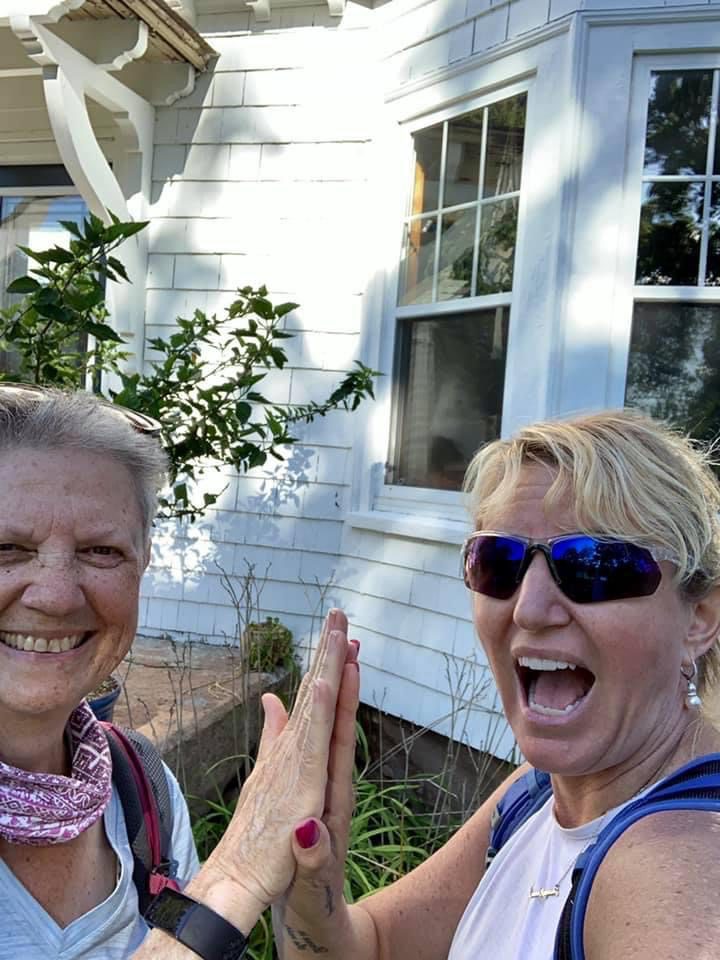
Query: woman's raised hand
[
  {"x": 313, "y": 910},
  {"x": 296, "y": 769}
]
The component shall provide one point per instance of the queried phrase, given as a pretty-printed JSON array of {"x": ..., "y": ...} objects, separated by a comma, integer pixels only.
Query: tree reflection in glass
[
  {"x": 674, "y": 365},
  {"x": 678, "y": 123},
  {"x": 670, "y": 232}
]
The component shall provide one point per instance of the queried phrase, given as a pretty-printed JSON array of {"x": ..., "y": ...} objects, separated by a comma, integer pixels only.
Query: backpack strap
[
  {"x": 139, "y": 777},
  {"x": 522, "y": 799},
  {"x": 696, "y": 786}
]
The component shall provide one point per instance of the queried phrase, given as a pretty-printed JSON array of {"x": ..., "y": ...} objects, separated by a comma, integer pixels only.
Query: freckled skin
[
  {"x": 72, "y": 507},
  {"x": 72, "y": 554}
]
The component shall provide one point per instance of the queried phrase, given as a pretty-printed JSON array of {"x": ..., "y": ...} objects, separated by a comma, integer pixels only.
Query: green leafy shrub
[
  {"x": 269, "y": 646},
  {"x": 203, "y": 382}
]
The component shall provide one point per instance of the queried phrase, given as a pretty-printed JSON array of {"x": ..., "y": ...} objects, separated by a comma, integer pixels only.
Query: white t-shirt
[
  {"x": 113, "y": 929},
  {"x": 501, "y": 922}
]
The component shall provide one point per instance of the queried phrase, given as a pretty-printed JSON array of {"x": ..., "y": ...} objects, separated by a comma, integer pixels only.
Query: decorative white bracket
[
  {"x": 263, "y": 9},
  {"x": 69, "y": 78}
]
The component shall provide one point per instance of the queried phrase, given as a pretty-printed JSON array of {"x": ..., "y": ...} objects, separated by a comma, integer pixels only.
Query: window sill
[{"x": 410, "y": 527}]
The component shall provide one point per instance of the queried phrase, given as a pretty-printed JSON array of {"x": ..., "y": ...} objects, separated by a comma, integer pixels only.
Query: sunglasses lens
[
  {"x": 590, "y": 570},
  {"x": 493, "y": 565}
]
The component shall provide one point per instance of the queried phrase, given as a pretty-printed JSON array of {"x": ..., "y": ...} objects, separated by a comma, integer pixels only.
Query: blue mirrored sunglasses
[{"x": 587, "y": 569}]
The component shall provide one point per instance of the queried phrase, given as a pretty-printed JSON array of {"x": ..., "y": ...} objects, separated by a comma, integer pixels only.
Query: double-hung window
[
  {"x": 674, "y": 360},
  {"x": 454, "y": 293}
]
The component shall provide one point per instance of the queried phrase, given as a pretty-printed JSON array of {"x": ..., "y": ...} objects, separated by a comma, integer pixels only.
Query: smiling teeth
[
  {"x": 30, "y": 644},
  {"x": 536, "y": 663}
]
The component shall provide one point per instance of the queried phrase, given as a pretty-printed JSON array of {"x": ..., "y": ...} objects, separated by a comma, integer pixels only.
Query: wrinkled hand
[{"x": 288, "y": 784}]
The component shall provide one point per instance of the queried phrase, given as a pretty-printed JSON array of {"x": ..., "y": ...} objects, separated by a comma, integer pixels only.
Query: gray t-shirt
[{"x": 112, "y": 930}]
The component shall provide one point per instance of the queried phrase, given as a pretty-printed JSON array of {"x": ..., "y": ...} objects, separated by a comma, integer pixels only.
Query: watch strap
[{"x": 199, "y": 928}]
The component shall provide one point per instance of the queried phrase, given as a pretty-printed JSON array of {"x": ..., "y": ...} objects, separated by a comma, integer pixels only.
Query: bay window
[{"x": 674, "y": 360}]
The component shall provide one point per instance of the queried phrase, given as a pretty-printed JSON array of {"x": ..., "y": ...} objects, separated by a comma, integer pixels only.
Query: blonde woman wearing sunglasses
[{"x": 594, "y": 573}]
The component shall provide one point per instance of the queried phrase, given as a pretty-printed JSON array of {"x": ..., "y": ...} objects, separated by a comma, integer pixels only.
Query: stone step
[{"x": 199, "y": 707}]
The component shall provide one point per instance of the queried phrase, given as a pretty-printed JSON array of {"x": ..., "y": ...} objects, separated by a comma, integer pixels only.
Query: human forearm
[
  {"x": 344, "y": 933},
  {"x": 231, "y": 901}
]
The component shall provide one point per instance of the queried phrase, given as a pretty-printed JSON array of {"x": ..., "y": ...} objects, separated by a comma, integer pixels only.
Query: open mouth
[
  {"x": 555, "y": 688},
  {"x": 31, "y": 644}
]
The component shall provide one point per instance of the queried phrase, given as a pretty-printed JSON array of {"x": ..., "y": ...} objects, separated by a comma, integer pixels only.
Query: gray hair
[{"x": 58, "y": 420}]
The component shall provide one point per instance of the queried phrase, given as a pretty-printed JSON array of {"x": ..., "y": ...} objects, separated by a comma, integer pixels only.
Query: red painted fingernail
[{"x": 308, "y": 834}]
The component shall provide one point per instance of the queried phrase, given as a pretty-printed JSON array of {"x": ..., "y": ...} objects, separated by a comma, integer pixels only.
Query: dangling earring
[{"x": 692, "y": 698}]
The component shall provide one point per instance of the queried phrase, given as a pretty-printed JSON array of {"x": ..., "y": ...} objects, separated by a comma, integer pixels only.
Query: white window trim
[
  {"x": 488, "y": 79},
  {"x": 628, "y": 291}
]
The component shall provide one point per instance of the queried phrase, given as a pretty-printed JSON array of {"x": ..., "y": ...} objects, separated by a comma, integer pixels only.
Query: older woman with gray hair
[
  {"x": 594, "y": 572},
  {"x": 79, "y": 480}
]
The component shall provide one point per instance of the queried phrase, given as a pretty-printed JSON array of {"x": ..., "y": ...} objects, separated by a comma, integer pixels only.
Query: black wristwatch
[{"x": 196, "y": 926}]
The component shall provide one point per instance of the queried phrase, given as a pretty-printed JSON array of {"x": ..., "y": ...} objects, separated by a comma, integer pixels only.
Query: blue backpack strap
[
  {"x": 521, "y": 800},
  {"x": 696, "y": 786}
]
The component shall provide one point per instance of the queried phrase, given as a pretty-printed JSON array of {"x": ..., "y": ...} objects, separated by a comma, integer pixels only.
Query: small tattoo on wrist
[
  {"x": 329, "y": 901},
  {"x": 302, "y": 942}
]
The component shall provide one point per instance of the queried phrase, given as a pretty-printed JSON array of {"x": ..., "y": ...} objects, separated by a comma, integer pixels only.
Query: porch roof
[{"x": 171, "y": 37}]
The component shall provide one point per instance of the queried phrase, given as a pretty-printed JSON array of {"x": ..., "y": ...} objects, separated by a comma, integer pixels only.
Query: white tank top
[{"x": 501, "y": 922}]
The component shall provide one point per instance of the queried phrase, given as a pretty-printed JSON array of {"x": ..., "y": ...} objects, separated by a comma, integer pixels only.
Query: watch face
[{"x": 168, "y": 908}]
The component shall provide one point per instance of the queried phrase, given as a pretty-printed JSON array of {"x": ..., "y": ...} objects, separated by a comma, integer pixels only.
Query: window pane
[
  {"x": 506, "y": 132},
  {"x": 462, "y": 165},
  {"x": 674, "y": 366},
  {"x": 498, "y": 227},
  {"x": 428, "y": 151},
  {"x": 669, "y": 242},
  {"x": 32, "y": 222},
  {"x": 457, "y": 242},
  {"x": 452, "y": 385},
  {"x": 678, "y": 122},
  {"x": 712, "y": 276},
  {"x": 416, "y": 269}
]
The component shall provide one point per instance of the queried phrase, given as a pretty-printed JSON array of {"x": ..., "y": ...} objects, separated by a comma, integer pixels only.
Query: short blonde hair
[{"x": 629, "y": 477}]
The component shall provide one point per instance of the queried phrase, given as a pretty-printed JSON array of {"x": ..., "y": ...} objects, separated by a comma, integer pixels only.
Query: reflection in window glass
[
  {"x": 484, "y": 145},
  {"x": 451, "y": 379},
  {"x": 678, "y": 123},
  {"x": 428, "y": 152},
  {"x": 457, "y": 243},
  {"x": 498, "y": 227},
  {"x": 674, "y": 366},
  {"x": 416, "y": 269},
  {"x": 506, "y": 136},
  {"x": 670, "y": 232},
  {"x": 462, "y": 165},
  {"x": 712, "y": 275}
]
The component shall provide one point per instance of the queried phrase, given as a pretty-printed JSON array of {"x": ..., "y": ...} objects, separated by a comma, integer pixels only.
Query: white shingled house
[{"x": 510, "y": 207}]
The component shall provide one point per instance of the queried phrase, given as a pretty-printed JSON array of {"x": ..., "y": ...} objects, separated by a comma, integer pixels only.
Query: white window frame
[
  {"x": 529, "y": 65},
  {"x": 631, "y": 293},
  {"x": 422, "y": 500}
]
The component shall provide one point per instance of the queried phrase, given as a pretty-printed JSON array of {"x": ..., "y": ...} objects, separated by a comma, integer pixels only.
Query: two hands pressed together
[{"x": 286, "y": 843}]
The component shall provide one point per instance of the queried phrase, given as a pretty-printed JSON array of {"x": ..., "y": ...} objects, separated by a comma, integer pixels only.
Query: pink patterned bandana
[{"x": 45, "y": 808}]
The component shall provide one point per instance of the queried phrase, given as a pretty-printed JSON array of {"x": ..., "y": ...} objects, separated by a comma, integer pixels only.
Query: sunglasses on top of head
[
  {"x": 140, "y": 422},
  {"x": 587, "y": 569}
]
